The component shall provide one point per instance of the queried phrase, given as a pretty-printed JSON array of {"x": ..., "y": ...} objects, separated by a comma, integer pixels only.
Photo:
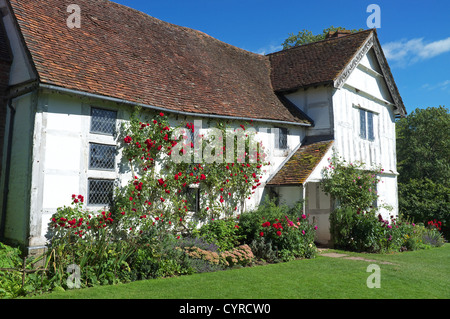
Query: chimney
[{"x": 337, "y": 34}]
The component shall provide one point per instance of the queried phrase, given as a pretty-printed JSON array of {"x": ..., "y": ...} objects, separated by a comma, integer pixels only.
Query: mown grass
[{"x": 421, "y": 274}]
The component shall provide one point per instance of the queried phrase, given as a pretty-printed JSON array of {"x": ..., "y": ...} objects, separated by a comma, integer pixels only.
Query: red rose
[
  {"x": 278, "y": 233},
  {"x": 127, "y": 139}
]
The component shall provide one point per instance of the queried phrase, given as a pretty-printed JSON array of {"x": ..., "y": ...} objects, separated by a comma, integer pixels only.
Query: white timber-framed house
[{"x": 65, "y": 92}]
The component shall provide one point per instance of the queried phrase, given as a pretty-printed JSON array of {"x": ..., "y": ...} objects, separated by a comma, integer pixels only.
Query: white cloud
[
  {"x": 406, "y": 52},
  {"x": 443, "y": 86},
  {"x": 269, "y": 49}
]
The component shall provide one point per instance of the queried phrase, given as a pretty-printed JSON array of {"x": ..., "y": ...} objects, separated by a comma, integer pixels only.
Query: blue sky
[{"x": 415, "y": 35}]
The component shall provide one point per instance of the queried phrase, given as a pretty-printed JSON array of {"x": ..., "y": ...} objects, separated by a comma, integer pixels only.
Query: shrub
[
  {"x": 10, "y": 281},
  {"x": 367, "y": 232},
  {"x": 351, "y": 184},
  {"x": 221, "y": 232},
  {"x": 157, "y": 255},
  {"x": 287, "y": 231},
  {"x": 263, "y": 250},
  {"x": 239, "y": 256},
  {"x": 422, "y": 200}
]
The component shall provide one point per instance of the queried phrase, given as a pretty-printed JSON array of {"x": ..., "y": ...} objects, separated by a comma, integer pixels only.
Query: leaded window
[
  {"x": 103, "y": 121},
  {"x": 366, "y": 129},
  {"x": 100, "y": 191},
  {"x": 102, "y": 156}
]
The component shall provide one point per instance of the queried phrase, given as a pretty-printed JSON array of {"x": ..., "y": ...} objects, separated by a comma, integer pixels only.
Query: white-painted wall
[
  {"x": 336, "y": 112},
  {"x": 365, "y": 89},
  {"x": 317, "y": 104},
  {"x": 61, "y": 146}
]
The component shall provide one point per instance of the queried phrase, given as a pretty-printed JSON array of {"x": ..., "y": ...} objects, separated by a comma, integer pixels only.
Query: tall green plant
[{"x": 351, "y": 184}]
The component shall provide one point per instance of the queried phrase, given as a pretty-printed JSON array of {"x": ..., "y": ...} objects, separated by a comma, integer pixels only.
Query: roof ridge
[{"x": 321, "y": 41}]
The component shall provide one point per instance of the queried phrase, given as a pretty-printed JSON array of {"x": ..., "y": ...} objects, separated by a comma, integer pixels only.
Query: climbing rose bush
[{"x": 162, "y": 185}]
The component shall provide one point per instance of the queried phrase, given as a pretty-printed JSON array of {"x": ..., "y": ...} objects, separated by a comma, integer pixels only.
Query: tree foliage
[
  {"x": 306, "y": 36},
  {"x": 423, "y": 154},
  {"x": 423, "y": 145}
]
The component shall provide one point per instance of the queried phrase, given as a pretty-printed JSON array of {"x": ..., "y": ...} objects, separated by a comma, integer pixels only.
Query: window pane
[
  {"x": 370, "y": 126},
  {"x": 281, "y": 138},
  {"x": 100, "y": 191},
  {"x": 102, "y": 156},
  {"x": 192, "y": 198},
  {"x": 103, "y": 121},
  {"x": 362, "y": 121}
]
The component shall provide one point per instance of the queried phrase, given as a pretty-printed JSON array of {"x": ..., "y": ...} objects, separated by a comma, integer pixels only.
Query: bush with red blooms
[
  {"x": 286, "y": 230},
  {"x": 435, "y": 224},
  {"x": 171, "y": 179}
]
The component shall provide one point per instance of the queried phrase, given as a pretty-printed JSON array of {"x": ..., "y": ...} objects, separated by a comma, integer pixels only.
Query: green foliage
[
  {"x": 10, "y": 281},
  {"x": 425, "y": 200},
  {"x": 286, "y": 231},
  {"x": 158, "y": 255},
  {"x": 306, "y": 36},
  {"x": 423, "y": 145},
  {"x": 353, "y": 185},
  {"x": 423, "y": 156},
  {"x": 367, "y": 232},
  {"x": 222, "y": 232}
]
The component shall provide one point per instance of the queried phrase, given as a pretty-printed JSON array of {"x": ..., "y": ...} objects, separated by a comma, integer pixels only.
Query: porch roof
[{"x": 299, "y": 166}]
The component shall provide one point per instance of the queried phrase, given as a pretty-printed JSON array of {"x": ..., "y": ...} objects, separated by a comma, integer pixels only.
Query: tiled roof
[
  {"x": 315, "y": 63},
  {"x": 301, "y": 164},
  {"x": 123, "y": 53}
]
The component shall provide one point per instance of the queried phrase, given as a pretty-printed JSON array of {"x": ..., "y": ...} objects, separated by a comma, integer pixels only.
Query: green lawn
[{"x": 420, "y": 274}]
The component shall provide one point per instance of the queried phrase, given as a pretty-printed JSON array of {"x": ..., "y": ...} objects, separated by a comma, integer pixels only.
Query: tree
[
  {"x": 306, "y": 36},
  {"x": 423, "y": 145},
  {"x": 423, "y": 155}
]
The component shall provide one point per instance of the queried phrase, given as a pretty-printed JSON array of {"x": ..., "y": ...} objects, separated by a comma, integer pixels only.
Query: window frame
[
  {"x": 366, "y": 124},
  {"x": 104, "y": 138},
  {"x": 279, "y": 133},
  {"x": 90, "y": 167},
  {"x": 93, "y": 108},
  {"x": 196, "y": 191},
  {"x": 91, "y": 179}
]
